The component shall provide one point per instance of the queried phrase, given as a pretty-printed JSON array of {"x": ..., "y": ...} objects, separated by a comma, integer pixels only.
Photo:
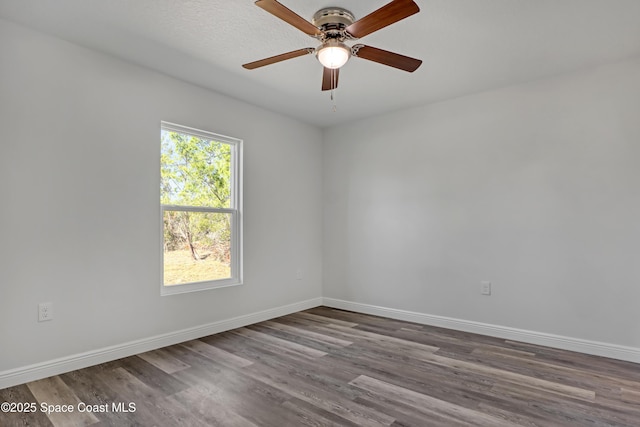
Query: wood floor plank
[
  {"x": 450, "y": 344},
  {"x": 323, "y": 338},
  {"x": 210, "y": 408},
  {"x": 358, "y": 319},
  {"x": 310, "y": 368},
  {"x": 204, "y": 372},
  {"x": 54, "y": 392},
  {"x": 413, "y": 332},
  {"x": 497, "y": 350},
  {"x": 578, "y": 377},
  {"x": 327, "y": 367},
  {"x": 427, "y": 404},
  {"x": 513, "y": 377},
  {"x": 313, "y": 416},
  {"x": 278, "y": 342},
  {"x": 377, "y": 337},
  {"x": 323, "y": 320},
  {"x": 152, "y": 406},
  {"x": 21, "y": 394},
  {"x": 518, "y": 418},
  {"x": 304, "y": 391},
  {"x": 258, "y": 352},
  {"x": 243, "y": 396},
  {"x": 90, "y": 389},
  {"x": 295, "y": 338},
  {"x": 211, "y": 352},
  {"x": 152, "y": 376},
  {"x": 163, "y": 361},
  {"x": 462, "y": 388},
  {"x": 562, "y": 411},
  {"x": 407, "y": 415},
  {"x": 631, "y": 396},
  {"x": 409, "y": 348},
  {"x": 611, "y": 367}
]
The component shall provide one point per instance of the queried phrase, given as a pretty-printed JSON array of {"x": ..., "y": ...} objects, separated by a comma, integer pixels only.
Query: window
[{"x": 200, "y": 197}]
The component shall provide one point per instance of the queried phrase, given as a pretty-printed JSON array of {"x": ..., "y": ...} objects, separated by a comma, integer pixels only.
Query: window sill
[{"x": 197, "y": 287}]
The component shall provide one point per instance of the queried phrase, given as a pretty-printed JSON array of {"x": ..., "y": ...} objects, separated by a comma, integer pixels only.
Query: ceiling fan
[{"x": 333, "y": 26}]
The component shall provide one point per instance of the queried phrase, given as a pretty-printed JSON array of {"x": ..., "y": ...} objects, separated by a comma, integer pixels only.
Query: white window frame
[{"x": 235, "y": 210}]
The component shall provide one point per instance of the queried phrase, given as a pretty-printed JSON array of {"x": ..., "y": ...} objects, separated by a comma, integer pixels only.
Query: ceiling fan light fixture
[{"x": 333, "y": 54}]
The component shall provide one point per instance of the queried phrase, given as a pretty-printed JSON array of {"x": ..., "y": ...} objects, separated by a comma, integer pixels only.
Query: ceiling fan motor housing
[{"x": 332, "y": 21}]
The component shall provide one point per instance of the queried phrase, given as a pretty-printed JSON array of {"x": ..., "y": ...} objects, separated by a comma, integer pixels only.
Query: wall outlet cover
[
  {"x": 45, "y": 311},
  {"x": 485, "y": 287}
]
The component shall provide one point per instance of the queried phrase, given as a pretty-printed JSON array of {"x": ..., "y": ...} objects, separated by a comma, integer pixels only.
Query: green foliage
[{"x": 196, "y": 172}]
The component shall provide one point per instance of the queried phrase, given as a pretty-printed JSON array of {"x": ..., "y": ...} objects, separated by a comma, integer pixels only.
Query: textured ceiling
[{"x": 467, "y": 46}]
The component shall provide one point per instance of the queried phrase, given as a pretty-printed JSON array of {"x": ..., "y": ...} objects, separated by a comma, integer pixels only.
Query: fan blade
[
  {"x": 289, "y": 16},
  {"x": 385, "y": 57},
  {"x": 330, "y": 78},
  {"x": 278, "y": 58},
  {"x": 386, "y": 15}
]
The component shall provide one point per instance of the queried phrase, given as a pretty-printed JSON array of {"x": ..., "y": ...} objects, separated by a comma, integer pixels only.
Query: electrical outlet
[
  {"x": 45, "y": 311},
  {"x": 485, "y": 288},
  {"x": 299, "y": 274}
]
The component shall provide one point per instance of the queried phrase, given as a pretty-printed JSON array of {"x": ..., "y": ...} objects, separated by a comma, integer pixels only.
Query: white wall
[
  {"x": 535, "y": 188},
  {"x": 79, "y": 201}
]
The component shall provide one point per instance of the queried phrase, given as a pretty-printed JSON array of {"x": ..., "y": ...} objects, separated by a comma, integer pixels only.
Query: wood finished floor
[{"x": 326, "y": 367}]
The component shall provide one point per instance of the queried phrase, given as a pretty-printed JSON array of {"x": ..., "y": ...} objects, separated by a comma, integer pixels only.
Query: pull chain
[
  {"x": 335, "y": 107},
  {"x": 334, "y": 83}
]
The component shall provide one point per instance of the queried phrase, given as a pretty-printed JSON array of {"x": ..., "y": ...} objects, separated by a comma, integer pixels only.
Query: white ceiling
[{"x": 467, "y": 46}]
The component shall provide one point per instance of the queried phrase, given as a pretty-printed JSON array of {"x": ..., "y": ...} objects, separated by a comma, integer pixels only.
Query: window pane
[
  {"x": 197, "y": 246},
  {"x": 195, "y": 171}
]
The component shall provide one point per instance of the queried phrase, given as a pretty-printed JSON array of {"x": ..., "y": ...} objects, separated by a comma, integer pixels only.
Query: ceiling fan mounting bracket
[{"x": 332, "y": 21}]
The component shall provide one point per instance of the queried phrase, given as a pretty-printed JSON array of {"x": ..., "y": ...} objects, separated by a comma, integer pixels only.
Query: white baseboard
[
  {"x": 78, "y": 361},
  {"x": 613, "y": 351}
]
